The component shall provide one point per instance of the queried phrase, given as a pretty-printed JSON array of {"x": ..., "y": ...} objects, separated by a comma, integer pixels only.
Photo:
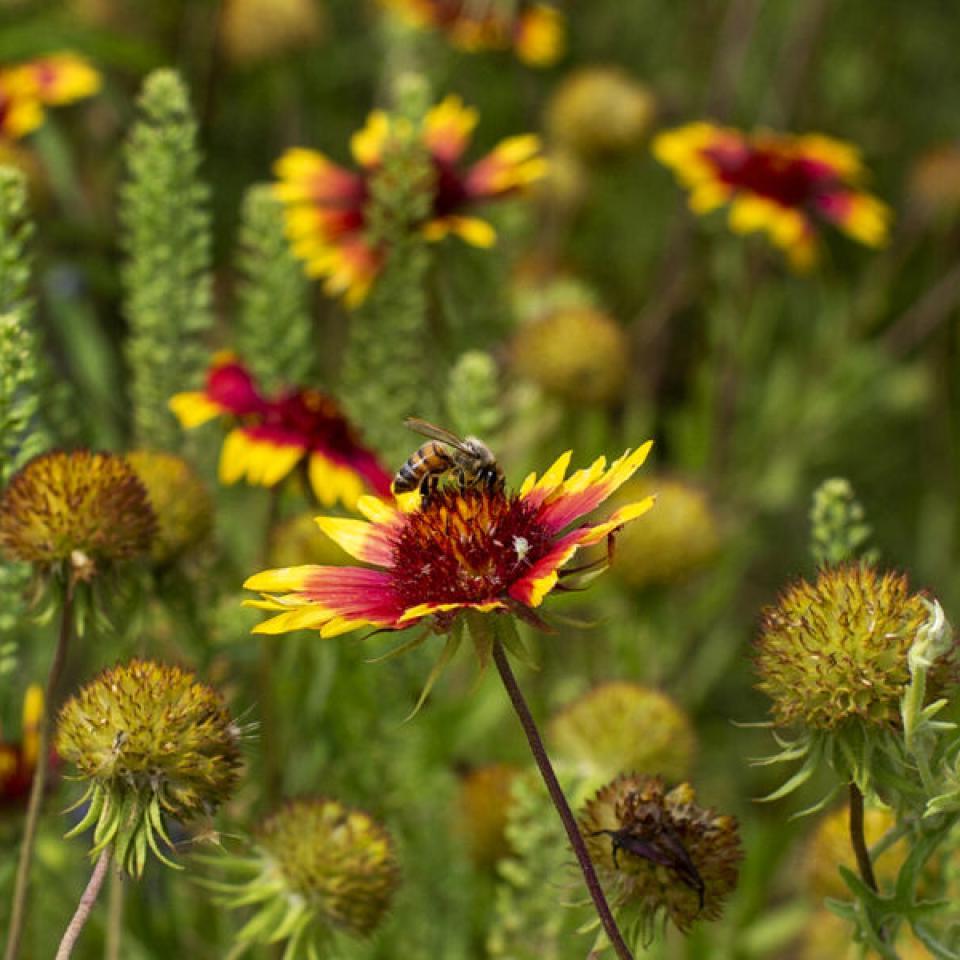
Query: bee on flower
[
  {"x": 27, "y": 88},
  {"x": 326, "y": 204},
  {"x": 535, "y": 31},
  {"x": 467, "y": 547},
  {"x": 271, "y": 436},
  {"x": 779, "y": 184}
]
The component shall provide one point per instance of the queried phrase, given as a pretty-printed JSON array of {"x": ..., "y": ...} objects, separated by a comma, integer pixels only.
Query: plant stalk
[
  {"x": 114, "y": 916},
  {"x": 85, "y": 906},
  {"x": 858, "y": 840},
  {"x": 559, "y": 801},
  {"x": 21, "y": 890}
]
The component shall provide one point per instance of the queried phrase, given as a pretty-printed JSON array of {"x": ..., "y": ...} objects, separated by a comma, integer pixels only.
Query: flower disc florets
[
  {"x": 836, "y": 650},
  {"x": 321, "y": 866},
  {"x": 150, "y": 739},
  {"x": 77, "y": 507},
  {"x": 179, "y": 499},
  {"x": 657, "y": 851}
]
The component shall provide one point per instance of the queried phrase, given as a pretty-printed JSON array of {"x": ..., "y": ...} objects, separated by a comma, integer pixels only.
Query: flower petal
[
  {"x": 536, "y": 491},
  {"x": 333, "y": 481},
  {"x": 365, "y": 541},
  {"x": 280, "y": 580},
  {"x": 427, "y": 609},
  {"x": 194, "y": 408}
]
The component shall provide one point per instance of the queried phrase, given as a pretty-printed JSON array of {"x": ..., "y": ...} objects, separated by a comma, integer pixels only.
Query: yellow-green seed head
[
  {"x": 836, "y": 650},
  {"x": 677, "y": 539},
  {"x": 578, "y": 353},
  {"x": 179, "y": 499},
  {"x": 698, "y": 851},
  {"x": 623, "y": 726},
  {"x": 258, "y": 30},
  {"x": 78, "y": 507},
  {"x": 485, "y": 807},
  {"x": 600, "y": 110},
  {"x": 340, "y": 861},
  {"x": 150, "y": 739}
]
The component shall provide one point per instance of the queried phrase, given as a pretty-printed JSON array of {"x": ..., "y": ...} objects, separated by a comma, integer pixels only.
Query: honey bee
[{"x": 445, "y": 455}]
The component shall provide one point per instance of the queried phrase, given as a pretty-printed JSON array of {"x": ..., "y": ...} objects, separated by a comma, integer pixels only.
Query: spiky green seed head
[
  {"x": 75, "y": 508},
  {"x": 578, "y": 353},
  {"x": 675, "y": 541},
  {"x": 836, "y": 650},
  {"x": 338, "y": 861},
  {"x": 699, "y": 850},
  {"x": 179, "y": 499},
  {"x": 152, "y": 742},
  {"x": 623, "y": 726}
]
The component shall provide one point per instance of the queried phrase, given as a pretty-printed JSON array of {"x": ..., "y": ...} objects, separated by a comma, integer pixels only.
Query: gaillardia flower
[
  {"x": 536, "y": 31},
  {"x": 19, "y": 760},
  {"x": 623, "y": 726},
  {"x": 319, "y": 866},
  {"x": 152, "y": 742},
  {"x": 75, "y": 508},
  {"x": 326, "y": 218},
  {"x": 25, "y": 89},
  {"x": 179, "y": 499},
  {"x": 272, "y": 435},
  {"x": 659, "y": 852},
  {"x": 781, "y": 184},
  {"x": 836, "y": 650},
  {"x": 475, "y": 548}
]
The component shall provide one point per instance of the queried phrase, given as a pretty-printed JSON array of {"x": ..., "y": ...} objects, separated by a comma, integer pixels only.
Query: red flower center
[
  {"x": 466, "y": 546},
  {"x": 790, "y": 180},
  {"x": 449, "y": 190}
]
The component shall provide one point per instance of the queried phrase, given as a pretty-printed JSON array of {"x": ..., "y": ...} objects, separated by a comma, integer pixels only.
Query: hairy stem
[
  {"x": 859, "y": 840},
  {"x": 85, "y": 906},
  {"x": 559, "y": 801},
  {"x": 21, "y": 889}
]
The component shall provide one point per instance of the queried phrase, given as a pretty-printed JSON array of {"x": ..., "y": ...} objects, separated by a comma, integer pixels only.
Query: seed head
[
  {"x": 151, "y": 740},
  {"x": 623, "y": 726},
  {"x": 679, "y": 538},
  {"x": 77, "y": 507},
  {"x": 179, "y": 499},
  {"x": 836, "y": 650},
  {"x": 657, "y": 851},
  {"x": 579, "y": 353}
]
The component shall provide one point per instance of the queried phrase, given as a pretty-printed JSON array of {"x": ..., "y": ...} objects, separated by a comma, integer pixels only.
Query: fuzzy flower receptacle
[
  {"x": 468, "y": 549},
  {"x": 325, "y": 204},
  {"x": 779, "y": 184},
  {"x": 271, "y": 436},
  {"x": 535, "y": 31},
  {"x": 26, "y": 88}
]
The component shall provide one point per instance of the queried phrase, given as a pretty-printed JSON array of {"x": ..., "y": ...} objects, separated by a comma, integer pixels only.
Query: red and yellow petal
[
  {"x": 194, "y": 408},
  {"x": 367, "y": 144},
  {"x": 586, "y": 489},
  {"x": 421, "y": 610},
  {"x": 19, "y": 115},
  {"x": 476, "y": 232},
  {"x": 368, "y": 542},
  {"x": 512, "y": 165},
  {"x": 332, "y": 482},
  {"x": 535, "y": 491},
  {"x": 257, "y": 461},
  {"x": 308, "y": 176},
  {"x": 54, "y": 80},
  {"x": 447, "y": 129}
]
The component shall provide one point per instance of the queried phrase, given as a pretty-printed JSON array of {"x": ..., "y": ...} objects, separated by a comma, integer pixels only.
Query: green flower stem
[
  {"x": 21, "y": 888},
  {"x": 84, "y": 907},
  {"x": 114, "y": 916},
  {"x": 858, "y": 839},
  {"x": 560, "y": 801}
]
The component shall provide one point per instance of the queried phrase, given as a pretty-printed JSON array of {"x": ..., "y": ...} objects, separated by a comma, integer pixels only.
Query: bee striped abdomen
[{"x": 429, "y": 460}]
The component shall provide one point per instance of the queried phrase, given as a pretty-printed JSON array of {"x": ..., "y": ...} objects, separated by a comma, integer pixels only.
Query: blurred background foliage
[{"x": 755, "y": 383}]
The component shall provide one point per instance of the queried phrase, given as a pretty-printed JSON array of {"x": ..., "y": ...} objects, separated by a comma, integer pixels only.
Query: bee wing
[{"x": 434, "y": 432}]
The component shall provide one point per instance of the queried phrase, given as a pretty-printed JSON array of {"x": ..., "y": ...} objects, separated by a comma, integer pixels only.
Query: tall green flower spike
[
  {"x": 274, "y": 330},
  {"x": 166, "y": 220},
  {"x": 152, "y": 743}
]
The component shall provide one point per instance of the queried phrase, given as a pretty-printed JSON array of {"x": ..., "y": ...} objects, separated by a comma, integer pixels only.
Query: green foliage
[
  {"x": 839, "y": 528},
  {"x": 387, "y": 365},
  {"x": 164, "y": 210},
  {"x": 473, "y": 393},
  {"x": 273, "y": 328}
]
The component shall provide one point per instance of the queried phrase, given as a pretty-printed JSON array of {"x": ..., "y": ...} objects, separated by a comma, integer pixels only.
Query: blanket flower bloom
[
  {"x": 535, "y": 31},
  {"x": 780, "y": 184},
  {"x": 19, "y": 760},
  {"x": 273, "y": 435},
  {"x": 469, "y": 549},
  {"x": 325, "y": 204},
  {"x": 26, "y": 88}
]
